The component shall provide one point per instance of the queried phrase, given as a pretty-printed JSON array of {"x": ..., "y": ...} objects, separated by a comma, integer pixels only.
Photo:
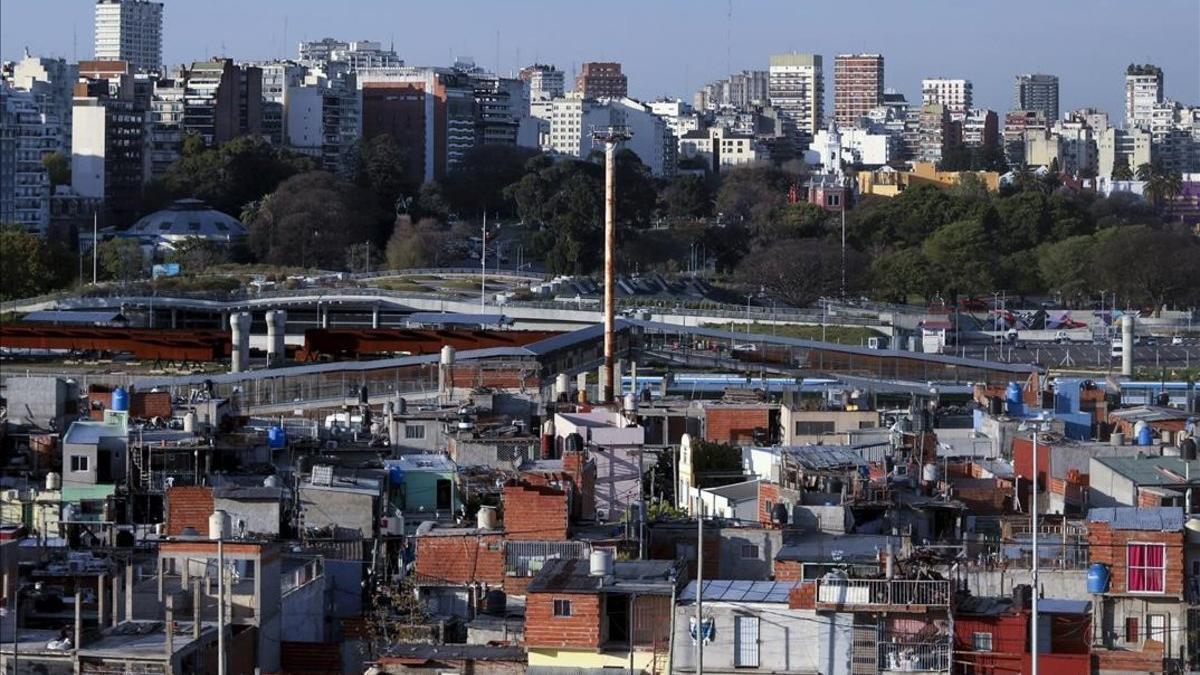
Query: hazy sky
[{"x": 670, "y": 47}]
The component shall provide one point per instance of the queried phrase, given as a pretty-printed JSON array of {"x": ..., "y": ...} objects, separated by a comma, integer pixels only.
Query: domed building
[{"x": 186, "y": 219}]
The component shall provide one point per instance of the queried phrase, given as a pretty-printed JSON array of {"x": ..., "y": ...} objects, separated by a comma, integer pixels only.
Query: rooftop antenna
[{"x": 611, "y": 137}]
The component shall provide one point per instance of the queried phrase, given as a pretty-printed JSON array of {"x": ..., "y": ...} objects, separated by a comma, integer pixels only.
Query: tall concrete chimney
[
  {"x": 611, "y": 137},
  {"x": 276, "y": 330},
  {"x": 1127, "y": 345}
]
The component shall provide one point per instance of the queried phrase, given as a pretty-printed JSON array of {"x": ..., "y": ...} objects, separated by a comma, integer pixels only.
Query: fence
[
  {"x": 526, "y": 558},
  {"x": 880, "y": 592}
]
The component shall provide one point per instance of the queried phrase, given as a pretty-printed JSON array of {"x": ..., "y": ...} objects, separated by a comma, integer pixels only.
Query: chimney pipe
[
  {"x": 78, "y": 617},
  {"x": 197, "y": 605},
  {"x": 101, "y": 593},
  {"x": 610, "y": 262},
  {"x": 170, "y": 627}
]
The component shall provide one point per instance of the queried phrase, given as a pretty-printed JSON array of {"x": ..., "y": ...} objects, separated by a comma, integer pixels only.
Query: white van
[{"x": 1118, "y": 349}]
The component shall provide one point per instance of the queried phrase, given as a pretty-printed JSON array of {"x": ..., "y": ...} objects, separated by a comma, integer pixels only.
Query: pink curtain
[{"x": 1145, "y": 568}]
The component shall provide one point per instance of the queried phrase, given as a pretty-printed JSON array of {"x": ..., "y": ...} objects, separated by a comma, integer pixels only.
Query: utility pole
[
  {"x": 95, "y": 245},
  {"x": 699, "y": 584},
  {"x": 221, "y": 605},
  {"x": 483, "y": 267},
  {"x": 845, "y": 194},
  {"x": 1033, "y": 513},
  {"x": 611, "y": 136}
]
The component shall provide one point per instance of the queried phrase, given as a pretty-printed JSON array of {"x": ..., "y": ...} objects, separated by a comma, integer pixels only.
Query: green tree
[
  {"x": 752, "y": 195},
  {"x": 902, "y": 274},
  {"x": 1024, "y": 220},
  {"x": 1121, "y": 170},
  {"x": 566, "y": 198},
  {"x": 58, "y": 167},
  {"x": 479, "y": 181},
  {"x": 30, "y": 266},
  {"x": 386, "y": 169},
  {"x": 196, "y": 255},
  {"x": 311, "y": 219},
  {"x": 963, "y": 257},
  {"x": 1067, "y": 266},
  {"x": 234, "y": 174},
  {"x": 1151, "y": 266},
  {"x": 1145, "y": 171},
  {"x": 798, "y": 271},
  {"x": 121, "y": 259},
  {"x": 687, "y": 196},
  {"x": 716, "y": 464}
]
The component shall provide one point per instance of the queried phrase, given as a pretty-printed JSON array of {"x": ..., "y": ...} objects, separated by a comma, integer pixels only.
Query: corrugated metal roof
[
  {"x": 66, "y": 316},
  {"x": 822, "y": 457},
  {"x": 729, "y": 590},
  {"x": 848, "y": 548},
  {"x": 1148, "y": 471},
  {"x": 1149, "y": 413},
  {"x": 593, "y": 332},
  {"x": 1160, "y": 518}
]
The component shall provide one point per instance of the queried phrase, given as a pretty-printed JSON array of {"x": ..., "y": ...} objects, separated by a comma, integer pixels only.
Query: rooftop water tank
[
  {"x": 276, "y": 437},
  {"x": 1012, "y": 394},
  {"x": 486, "y": 518},
  {"x": 120, "y": 399},
  {"x": 1192, "y": 526},
  {"x": 1097, "y": 578},
  {"x": 601, "y": 563},
  {"x": 1145, "y": 436},
  {"x": 218, "y": 525},
  {"x": 53, "y": 481}
]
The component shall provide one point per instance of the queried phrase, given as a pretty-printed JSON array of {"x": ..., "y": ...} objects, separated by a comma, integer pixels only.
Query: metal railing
[
  {"x": 911, "y": 656},
  {"x": 526, "y": 558},
  {"x": 883, "y": 592}
]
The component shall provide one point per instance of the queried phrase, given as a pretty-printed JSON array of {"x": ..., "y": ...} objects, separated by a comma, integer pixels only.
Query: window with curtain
[{"x": 1146, "y": 566}]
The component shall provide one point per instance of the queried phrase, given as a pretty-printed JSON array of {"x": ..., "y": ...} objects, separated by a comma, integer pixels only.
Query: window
[
  {"x": 981, "y": 642},
  {"x": 79, "y": 462},
  {"x": 749, "y": 552},
  {"x": 414, "y": 431},
  {"x": 745, "y": 637},
  {"x": 562, "y": 608},
  {"x": 1156, "y": 628},
  {"x": 1147, "y": 568},
  {"x": 813, "y": 428},
  {"x": 1131, "y": 629}
]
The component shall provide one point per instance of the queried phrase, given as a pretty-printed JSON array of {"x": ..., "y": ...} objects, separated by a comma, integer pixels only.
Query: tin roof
[
  {"x": 822, "y": 457},
  {"x": 629, "y": 576},
  {"x": 447, "y": 319},
  {"x": 1148, "y": 413},
  {"x": 1160, "y": 518}
]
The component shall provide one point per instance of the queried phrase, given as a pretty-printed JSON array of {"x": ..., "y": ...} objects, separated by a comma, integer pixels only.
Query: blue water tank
[
  {"x": 1145, "y": 436},
  {"x": 1097, "y": 578},
  {"x": 276, "y": 437},
  {"x": 120, "y": 399},
  {"x": 1013, "y": 393}
]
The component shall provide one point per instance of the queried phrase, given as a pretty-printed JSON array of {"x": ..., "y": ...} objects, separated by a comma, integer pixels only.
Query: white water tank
[
  {"x": 930, "y": 473},
  {"x": 218, "y": 525},
  {"x": 1117, "y": 438},
  {"x": 562, "y": 384},
  {"x": 189, "y": 422},
  {"x": 601, "y": 563},
  {"x": 486, "y": 518},
  {"x": 1193, "y": 530},
  {"x": 447, "y": 355},
  {"x": 271, "y": 481},
  {"x": 53, "y": 481}
]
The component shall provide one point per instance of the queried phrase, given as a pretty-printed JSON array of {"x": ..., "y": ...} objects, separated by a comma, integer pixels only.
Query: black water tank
[
  {"x": 1022, "y": 597},
  {"x": 495, "y": 602},
  {"x": 1163, "y": 399},
  {"x": 362, "y": 395},
  {"x": 779, "y": 514},
  {"x": 1187, "y": 449},
  {"x": 574, "y": 443}
]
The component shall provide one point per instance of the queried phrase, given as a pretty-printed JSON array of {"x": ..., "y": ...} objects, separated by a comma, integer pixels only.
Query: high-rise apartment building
[
  {"x": 323, "y": 116},
  {"x": 1143, "y": 91},
  {"x": 599, "y": 79},
  {"x": 129, "y": 31},
  {"x": 543, "y": 81},
  {"x": 27, "y": 133},
  {"x": 51, "y": 82},
  {"x": 748, "y": 88},
  {"x": 857, "y": 87},
  {"x": 936, "y": 133},
  {"x": 981, "y": 128},
  {"x": 1037, "y": 92},
  {"x": 797, "y": 91},
  {"x": 108, "y": 140},
  {"x": 1016, "y": 123},
  {"x": 356, "y": 54},
  {"x": 955, "y": 95},
  {"x": 222, "y": 101}
]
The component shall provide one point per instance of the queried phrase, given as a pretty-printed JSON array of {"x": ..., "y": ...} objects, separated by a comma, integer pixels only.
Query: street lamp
[{"x": 1036, "y": 425}]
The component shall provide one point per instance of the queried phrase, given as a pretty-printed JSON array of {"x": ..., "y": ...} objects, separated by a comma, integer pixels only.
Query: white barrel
[
  {"x": 601, "y": 563},
  {"x": 189, "y": 422},
  {"x": 1117, "y": 438},
  {"x": 218, "y": 525},
  {"x": 486, "y": 518},
  {"x": 930, "y": 473},
  {"x": 53, "y": 481},
  {"x": 630, "y": 403},
  {"x": 447, "y": 355},
  {"x": 562, "y": 384}
]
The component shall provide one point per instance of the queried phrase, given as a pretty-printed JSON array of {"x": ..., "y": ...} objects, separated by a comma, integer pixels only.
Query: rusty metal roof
[{"x": 1150, "y": 519}]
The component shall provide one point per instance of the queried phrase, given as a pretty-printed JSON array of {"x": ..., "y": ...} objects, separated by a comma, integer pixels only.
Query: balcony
[{"x": 882, "y": 595}]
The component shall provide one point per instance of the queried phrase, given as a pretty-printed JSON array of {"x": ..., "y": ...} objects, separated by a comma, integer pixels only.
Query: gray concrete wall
[
  {"x": 1108, "y": 488},
  {"x": 760, "y": 568},
  {"x": 39, "y": 401},
  {"x": 831, "y": 519},
  {"x": 302, "y": 613},
  {"x": 787, "y": 638},
  {"x": 261, "y": 517},
  {"x": 350, "y": 510},
  {"x": 89, "y": 477},
  {"x": 1063, "y": 584}
]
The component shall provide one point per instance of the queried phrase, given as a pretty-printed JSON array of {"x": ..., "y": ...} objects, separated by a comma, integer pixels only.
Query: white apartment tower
[
  {"x": 1034, "y": 91},
  {"x": 954, "y": 95},
  {"x": 544, "y": 81},
  {"x": 797, "y": 89},
  {"x": 130, "y": 31},
  {"x": 1143, "y": 91}
]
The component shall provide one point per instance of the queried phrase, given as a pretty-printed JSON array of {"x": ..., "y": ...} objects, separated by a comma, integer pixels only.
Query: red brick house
[
  {"x": 740, "y": 424},
  {"x": 577, "y": 619},
  {"x": 1143, "y": 612},
  {"x": 991, "y": 635}
]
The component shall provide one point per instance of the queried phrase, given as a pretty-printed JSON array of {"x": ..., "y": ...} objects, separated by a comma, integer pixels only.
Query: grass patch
[
  {"x": 398, "y": 284},
  {"x": 846, "y": 335}
]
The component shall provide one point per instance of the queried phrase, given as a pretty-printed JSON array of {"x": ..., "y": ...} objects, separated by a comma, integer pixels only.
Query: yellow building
[{"x": 889, "y": 182}]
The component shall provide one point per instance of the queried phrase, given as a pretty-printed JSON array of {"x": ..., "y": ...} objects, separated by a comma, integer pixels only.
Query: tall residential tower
[
  {"x": 797, "y": 91},
  {"x": 130, "y": 31},
  {"x": 1037, "y": 92},
  {"x": 857, "y": 87}
]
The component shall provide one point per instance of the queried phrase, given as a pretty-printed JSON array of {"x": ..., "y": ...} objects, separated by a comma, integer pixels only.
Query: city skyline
[{"x": 653, "y": 37}]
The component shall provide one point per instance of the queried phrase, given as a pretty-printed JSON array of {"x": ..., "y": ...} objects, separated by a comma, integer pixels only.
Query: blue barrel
[
  {"x": 1145, "y": 436},
  {"x": 1097, "y": 578},
  {"x": 276, "y": 437},
  {"x": 1013, "y": 393},
  {"x": 120, "y": 399}
]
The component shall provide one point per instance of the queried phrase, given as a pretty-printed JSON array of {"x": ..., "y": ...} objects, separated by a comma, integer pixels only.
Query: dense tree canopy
[
  {"x": 311, "y": 219},
  {"x": 232, "y": 175},
  {"x": 30, "y": 265}
]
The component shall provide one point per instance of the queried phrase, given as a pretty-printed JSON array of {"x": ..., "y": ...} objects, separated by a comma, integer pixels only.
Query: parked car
[{"x": 1177, "y": 341}]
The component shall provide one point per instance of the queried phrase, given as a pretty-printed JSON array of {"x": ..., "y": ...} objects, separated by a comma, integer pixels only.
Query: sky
[{"x": 671, "y": 47}]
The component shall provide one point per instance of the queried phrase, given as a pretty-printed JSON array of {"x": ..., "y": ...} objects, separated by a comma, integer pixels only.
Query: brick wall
[
  {"x": 535, "y": 512},
  {"x": 583, "y": 472},
  {"x": 768, "y": 496},
  {"x": 188, "y": 506},
  {"x": 734, "y": 424},
  {"x": 508, "y": 378},
  {"x": 142, "y": 404},
  {"x": 787, "y": 570},
  {"x": 460, "y": 559},
  {"x": 803, "y": 596},
  {"x": 1109, "y": 546},
  {"x": 581, "y": 630}
]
